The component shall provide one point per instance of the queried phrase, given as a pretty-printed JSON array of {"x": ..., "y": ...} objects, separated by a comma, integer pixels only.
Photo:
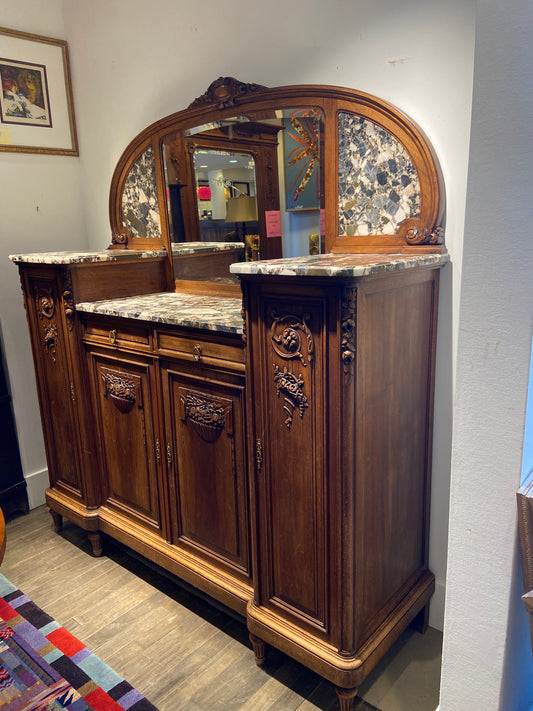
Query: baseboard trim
[
  {"x": 436, "y": 607},
  {"x": 37, "y": 483}
]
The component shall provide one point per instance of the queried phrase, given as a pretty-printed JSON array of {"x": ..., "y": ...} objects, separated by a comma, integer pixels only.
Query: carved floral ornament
[
  {"x": 121, "y": 390},
  {"x": 291, "y": 340},
  {"x": 209, "y": 416}
]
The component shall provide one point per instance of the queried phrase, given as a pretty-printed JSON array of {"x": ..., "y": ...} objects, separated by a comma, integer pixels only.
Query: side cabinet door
[
  {"x": 205, "y": 445},
  {"x": 123, "y": 398},
  {"x": 291, "y": 488},
  {"x": 54, "y": 381}
]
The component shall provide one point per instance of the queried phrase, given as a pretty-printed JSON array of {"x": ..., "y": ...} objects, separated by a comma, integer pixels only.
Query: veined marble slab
[
  {"x": 212, "y": 313},
  {"x": 104, "y": 255},
  {"x": 184, "y": 248},
  {"x": 339, "y": 265}
]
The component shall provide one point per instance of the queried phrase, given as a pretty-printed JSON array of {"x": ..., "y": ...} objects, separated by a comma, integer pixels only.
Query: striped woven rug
[{"x": 43, "y": 667}]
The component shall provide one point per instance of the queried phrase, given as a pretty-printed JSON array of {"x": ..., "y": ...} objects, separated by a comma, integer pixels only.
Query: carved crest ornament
[{"x": 121, "y": 391}]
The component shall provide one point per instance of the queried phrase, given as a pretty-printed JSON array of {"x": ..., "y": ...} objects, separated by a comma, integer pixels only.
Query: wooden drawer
[
  {"x": 209, "y": 348},
  {"x": 117, "y": 333}
]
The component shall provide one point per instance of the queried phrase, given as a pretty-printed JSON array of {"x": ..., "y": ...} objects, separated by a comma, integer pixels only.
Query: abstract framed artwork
[
  {"x": 36, "y": 106},
  {"x": 302, "y": 159}
]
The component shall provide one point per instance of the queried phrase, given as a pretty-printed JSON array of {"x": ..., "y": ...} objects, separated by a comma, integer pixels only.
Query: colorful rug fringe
[{"x": 45, "y": 668}]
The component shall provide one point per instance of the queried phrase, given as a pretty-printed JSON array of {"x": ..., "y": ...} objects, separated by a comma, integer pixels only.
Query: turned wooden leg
[
  {"x": 346, "y": 697},
  {"x": 57, "y": 520},
  {"x": 421, "y": 621},
  {"x": 96, "y": 543},
  {"x": 259, "y": 649}
]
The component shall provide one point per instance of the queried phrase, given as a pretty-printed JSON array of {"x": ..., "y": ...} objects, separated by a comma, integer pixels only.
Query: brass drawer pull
[
  {"x": 196, "y": 352},
  {"x": 113, "y": 337}
]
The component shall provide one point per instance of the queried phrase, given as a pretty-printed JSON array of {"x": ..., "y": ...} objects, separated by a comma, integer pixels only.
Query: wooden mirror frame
[{"x": 227, "y": 97}]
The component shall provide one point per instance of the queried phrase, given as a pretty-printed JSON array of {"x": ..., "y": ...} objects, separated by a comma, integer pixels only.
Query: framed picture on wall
[{"x": 36, "y": 107}]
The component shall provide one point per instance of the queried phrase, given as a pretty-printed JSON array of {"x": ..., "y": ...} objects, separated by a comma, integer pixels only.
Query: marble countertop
[
  {"x": 339, "y": 265},
  {"x": 184, "y": 248},
  {"x": 81, "y": 257},
  {"x": 213, "y": 313}
]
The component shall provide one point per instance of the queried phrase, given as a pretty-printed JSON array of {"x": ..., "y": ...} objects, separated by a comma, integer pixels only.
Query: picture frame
[{"x": 36, "y": 104}]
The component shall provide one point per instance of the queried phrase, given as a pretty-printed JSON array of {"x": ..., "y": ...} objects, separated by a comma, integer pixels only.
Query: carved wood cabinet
[
  {"x": 340, "y": 392},
  {"x": 279, "y": 463}
]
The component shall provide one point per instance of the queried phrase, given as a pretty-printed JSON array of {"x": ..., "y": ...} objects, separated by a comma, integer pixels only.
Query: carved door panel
[
  {"x": 291, "y": 486},
  {"x": 125, "y": 390},
  {"x": 204, "y": 421},
  {"x": 56, "y": 392}
]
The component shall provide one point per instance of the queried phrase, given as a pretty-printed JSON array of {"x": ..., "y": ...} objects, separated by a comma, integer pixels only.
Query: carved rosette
[
  {"x": 68, "y": 299},
  {"x": 291, "y": 338},
  {"x": 120, "y": 390},
  {"x": 414, "y": 232},
  {"x": 208, "y": 416},
  {"x": 348, "y": 322},
  {"x": 290, "y": 386},
  {"x": 225, "y": 92}
]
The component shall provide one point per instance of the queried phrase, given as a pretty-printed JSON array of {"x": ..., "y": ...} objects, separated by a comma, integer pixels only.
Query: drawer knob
[
  {"x": 113, "y": 337},
  {"x": 196, "y": 352}
]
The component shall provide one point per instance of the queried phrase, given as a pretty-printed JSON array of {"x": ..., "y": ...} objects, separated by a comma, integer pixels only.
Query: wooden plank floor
[{"x": 180, "y": 650}]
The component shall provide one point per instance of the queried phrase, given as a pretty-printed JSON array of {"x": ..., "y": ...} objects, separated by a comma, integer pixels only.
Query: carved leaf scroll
[
  {"x": 46, "y": 309},
  {"x": 348, "y": 322},
  {"x": 68, "y": 299}
]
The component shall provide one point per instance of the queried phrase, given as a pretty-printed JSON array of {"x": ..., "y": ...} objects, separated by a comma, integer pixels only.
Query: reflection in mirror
[
  {"x": 255, "y": 181},
  {"x": 226, "y": 195}
]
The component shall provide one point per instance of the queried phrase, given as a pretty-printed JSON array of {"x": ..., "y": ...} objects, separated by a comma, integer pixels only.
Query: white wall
[
  {"x": 40, "y": 209},
  {"x": 487, "y": 658}
]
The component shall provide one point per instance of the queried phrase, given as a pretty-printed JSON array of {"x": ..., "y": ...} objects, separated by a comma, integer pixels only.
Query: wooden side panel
[
  {"x": 291, "y": 483},
  {"x": 395, "y": 357},
  {"x": 206, "y": 440},
  {"x": 124, "y": 392},
  {"x": 54, "y": 380}
]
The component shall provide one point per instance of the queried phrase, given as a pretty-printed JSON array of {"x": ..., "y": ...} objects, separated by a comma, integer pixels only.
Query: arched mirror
[{"x": 250, "y": 173}]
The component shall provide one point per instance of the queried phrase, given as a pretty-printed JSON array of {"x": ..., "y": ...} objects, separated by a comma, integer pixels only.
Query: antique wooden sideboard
[{"x": 267, "y": 441}]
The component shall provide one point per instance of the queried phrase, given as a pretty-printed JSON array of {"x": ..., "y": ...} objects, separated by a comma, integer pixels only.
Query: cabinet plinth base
[{"x": 323, "y": 657}]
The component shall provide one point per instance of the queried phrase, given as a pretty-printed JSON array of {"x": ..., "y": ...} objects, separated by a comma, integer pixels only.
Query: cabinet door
[
  {"x": 124, "y": 390},
  {"x": 291, "y": 486},
  {"x": 48, "y": 329},
  {"x": 204, "y": 418}
]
